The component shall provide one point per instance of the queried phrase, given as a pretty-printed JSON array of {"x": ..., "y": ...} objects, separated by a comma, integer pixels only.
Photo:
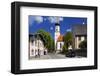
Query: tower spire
[{"x": 57, "y": 21}]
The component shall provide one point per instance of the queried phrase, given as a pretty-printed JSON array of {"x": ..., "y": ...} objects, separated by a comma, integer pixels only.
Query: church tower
[{"x": 57, "y": 31}]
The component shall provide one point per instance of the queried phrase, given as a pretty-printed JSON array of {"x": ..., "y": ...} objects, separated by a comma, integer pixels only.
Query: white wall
[{"x": 5, "y": 32}]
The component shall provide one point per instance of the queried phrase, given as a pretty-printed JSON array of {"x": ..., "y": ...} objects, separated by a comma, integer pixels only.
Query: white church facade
[{"x": 58, "y": 39}]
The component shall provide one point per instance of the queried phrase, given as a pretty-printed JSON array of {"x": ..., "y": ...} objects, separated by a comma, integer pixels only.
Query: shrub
[
  {"x": 65, "y": 49},
  {"x": 83, "y": 44}
]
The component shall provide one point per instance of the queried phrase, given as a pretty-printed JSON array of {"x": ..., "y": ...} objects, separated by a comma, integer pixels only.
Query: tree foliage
[
  {"x": 83, "y": 44},
  {"x": 64, "y": 49},
  {"x": 49, "y": 40},
  {"x": 67, "y": 42},
  {"x": 68, "y": 39}
]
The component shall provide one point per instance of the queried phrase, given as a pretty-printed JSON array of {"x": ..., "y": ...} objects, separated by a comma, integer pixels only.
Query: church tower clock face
[
  {"x": 56, "y": 35},
  {"x": 57, "y": 29}
]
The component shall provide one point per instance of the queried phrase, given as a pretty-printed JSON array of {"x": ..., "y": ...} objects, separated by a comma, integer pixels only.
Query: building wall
[
  {"x": 35, "y": 46},
  {"x": 60, "y": 45},
  {"x": 78, "y": 40},
  {"x": 57, "y": 34},
  {"x": 77, "y": 31}
]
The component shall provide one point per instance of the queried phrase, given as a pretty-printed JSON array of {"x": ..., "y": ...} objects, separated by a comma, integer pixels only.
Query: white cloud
[
  {"x": 38, "y": 19},
  {"x": 69, "y": 30},
  {"x": 31, "y": 20},
  {"x": 51, "y": 28},
  {"x": 83, "y": 22},
  {"x": 52, "y": 19},
  {"x": 61, "y": 18},
  {"x": 45, "y": 19}
]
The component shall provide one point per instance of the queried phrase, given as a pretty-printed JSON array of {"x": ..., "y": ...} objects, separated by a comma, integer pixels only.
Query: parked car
[
  {"x": 81, "y": 52},
  {"x": 70, "y": 53}
]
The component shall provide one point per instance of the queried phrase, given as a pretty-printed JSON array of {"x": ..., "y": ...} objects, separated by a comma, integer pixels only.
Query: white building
[
  {"x": 60, "y": 43},
  {"x": 36, "y": 46},
  {"x": 58, "y": 38},
  {"x": 79, "y": 35}
]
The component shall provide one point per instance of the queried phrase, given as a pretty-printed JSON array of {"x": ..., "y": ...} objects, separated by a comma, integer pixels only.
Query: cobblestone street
[{"x": 52, "y": 56}]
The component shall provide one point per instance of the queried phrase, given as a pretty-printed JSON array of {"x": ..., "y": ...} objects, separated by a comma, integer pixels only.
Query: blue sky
[{"x": 47, "y": 23}]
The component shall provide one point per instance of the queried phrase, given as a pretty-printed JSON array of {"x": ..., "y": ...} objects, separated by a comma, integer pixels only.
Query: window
[
  {"x": 32, "y": 43},
  {"x": 56, "y": 30},
  {"x": 79, "y": 38},
  {"x": 32, "y": 51},
  {"x": 40, "y": 44},
  {"x": 85, "y": 38},
  {"x": 36, "y": 42},
  {"x": 60, "y": 45}
]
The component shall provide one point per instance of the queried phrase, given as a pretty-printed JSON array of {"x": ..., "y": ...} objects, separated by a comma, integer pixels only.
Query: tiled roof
[
  {"x": 60, "y": 38},
  {"x": 79, "y": 30}
]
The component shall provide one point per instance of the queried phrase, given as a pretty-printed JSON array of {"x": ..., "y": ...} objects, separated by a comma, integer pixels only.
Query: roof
[
  {"x": 79, "y": 30},
  {"x": 60, "y": 38},
  {"x": 57, "y": 24},
  {"x": 36, "y": 36}
]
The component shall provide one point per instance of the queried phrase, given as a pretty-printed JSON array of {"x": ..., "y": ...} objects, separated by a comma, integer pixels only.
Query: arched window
[
  {"x": 32, "y": 51},
  {"x": 79, "y": 38},
  {"x": 60, "y": 45}
]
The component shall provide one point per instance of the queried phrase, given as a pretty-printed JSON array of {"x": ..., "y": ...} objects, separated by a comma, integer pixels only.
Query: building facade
[
  {"x": 79, "y": 35},
  {"x": 58, "y": 39},
  {"x": 36, "y": 45}
]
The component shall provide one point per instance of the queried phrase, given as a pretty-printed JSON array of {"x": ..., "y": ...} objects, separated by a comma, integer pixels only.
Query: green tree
[
  {"x": 64, "y": 49},
  {"x": 68, "y": 37},
  {"x": 67, "y": 41},
  {"x": 49, "y": 40},
  {"x": 83, "y": 44}
]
